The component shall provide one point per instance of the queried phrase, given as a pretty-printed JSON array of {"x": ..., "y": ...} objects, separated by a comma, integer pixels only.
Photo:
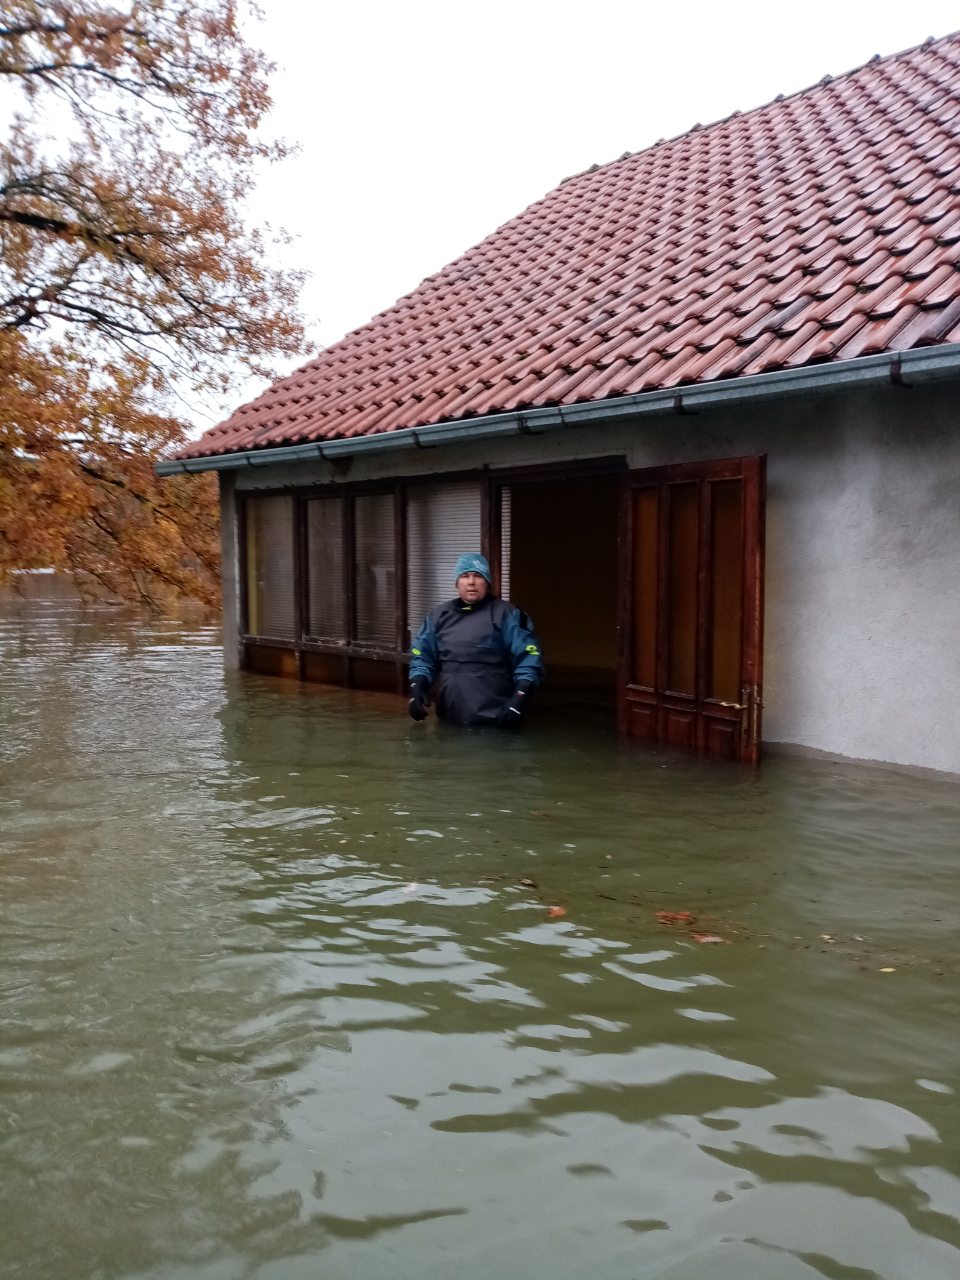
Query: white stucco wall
[
  {"x": 863, "y": 556},
  {"x": 862, "y": 635}
]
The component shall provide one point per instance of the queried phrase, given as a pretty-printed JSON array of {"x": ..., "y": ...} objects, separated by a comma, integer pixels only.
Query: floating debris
[{"x": 676, "y": 917}]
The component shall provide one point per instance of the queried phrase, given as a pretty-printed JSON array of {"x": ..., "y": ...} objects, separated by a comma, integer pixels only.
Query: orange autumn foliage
[{"x": 130, "y": 287}]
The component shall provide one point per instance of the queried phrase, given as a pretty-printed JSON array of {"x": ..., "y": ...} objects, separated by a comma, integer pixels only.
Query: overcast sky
[{"x": 425, "y": 125}]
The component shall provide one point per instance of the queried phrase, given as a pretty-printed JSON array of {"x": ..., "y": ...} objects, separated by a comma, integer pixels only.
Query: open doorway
[{"x": 559, "y": 564}]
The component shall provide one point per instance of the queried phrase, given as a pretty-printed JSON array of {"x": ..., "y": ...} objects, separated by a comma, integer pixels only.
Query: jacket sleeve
[
  {"x": 524, "y": 648},
  {"x": 424, "y": 657}
]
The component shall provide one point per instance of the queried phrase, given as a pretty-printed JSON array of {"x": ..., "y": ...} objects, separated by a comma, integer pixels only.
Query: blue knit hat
[{"x": 474, "y": 562}]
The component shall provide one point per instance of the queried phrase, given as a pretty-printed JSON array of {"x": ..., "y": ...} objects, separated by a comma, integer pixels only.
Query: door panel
[
  {"x": 692, "y": 612},
  {"x": 643, "y": 598},
  {"x": 725, "y": 599},
  {"x": 680, "y": 611}
]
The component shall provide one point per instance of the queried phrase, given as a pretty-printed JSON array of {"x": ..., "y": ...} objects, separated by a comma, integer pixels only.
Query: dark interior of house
[{"x": 563, "y": 573}]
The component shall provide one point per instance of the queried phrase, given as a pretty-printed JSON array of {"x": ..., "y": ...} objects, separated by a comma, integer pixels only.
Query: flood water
[{"x": 293, "y": 988}]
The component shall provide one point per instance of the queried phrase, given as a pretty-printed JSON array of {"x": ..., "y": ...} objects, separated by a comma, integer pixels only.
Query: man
[{"x": 478, "y": 653}]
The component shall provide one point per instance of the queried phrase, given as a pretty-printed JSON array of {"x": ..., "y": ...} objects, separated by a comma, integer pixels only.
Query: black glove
[
  {"x": 419, "y": 697},
  {"x": 512, "y": 713}
]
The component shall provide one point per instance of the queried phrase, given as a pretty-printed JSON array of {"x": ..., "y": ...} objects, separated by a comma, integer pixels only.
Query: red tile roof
[{"x": 819, "y": 228}]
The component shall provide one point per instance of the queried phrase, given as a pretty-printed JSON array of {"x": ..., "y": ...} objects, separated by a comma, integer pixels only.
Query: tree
[{"x": 130, "y": 285}]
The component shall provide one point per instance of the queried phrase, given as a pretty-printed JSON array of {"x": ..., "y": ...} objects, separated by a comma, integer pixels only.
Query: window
[
  {"x": 324, "y": 571},
  {"x": 271, "y": 581},
  {"x": 375, "y": 569},
  {"x": 443, "y": 521},
  {"x": 326, "y": 604}
]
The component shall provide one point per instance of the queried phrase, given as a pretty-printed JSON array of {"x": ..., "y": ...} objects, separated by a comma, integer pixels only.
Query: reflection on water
[{"x": 286, "y": 990}]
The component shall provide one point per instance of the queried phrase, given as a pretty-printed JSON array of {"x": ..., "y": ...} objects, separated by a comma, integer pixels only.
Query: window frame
[{"x": 350, "y": 652}]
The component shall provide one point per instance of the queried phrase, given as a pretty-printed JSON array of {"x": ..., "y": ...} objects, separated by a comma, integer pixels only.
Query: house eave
[{"x": 903, "y": 368}]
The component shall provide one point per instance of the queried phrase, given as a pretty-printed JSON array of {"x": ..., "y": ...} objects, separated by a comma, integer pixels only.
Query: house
[{"x": 699, "y": 408}]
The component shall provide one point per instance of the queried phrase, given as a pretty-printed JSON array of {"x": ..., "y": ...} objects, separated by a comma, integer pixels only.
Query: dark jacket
[{"x": 476, "y": 655}]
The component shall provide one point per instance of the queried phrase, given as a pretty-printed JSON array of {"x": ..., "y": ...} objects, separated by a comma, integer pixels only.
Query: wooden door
[{"x": 691, "y": 621}]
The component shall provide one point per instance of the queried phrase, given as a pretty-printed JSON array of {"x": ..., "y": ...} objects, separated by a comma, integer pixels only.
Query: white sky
[{"x": 425, "y": 125}]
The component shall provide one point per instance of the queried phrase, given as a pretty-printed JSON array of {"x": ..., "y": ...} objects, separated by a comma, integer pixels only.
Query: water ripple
[{"x": 289, "y": 989}]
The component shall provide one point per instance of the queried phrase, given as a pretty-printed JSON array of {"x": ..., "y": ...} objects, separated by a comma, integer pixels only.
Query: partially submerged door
[{"x": 692, "y": 606}]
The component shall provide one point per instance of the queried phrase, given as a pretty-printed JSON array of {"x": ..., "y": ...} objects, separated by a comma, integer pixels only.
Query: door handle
[{"x": 750, "y": 723}]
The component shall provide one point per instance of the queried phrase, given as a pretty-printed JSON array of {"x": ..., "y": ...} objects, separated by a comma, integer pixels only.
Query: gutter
[{"x": 902, "y": 368}]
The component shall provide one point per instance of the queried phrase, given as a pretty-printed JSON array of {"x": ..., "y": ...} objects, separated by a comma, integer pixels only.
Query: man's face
[{"x": 472, "y": 587}]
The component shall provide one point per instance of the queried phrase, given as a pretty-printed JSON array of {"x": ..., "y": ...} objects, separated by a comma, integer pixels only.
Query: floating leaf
[
  {"x": 554, "y": 913},
  {"x": 676, "y": 917}
]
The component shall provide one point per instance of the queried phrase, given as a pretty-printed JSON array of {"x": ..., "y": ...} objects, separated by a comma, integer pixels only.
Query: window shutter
[
  {"x": 375, "y": 561},
  {"x": 443, "y": 521},
  {"x": 326, "y": 613},
  {"x": 271, "y": 593}
]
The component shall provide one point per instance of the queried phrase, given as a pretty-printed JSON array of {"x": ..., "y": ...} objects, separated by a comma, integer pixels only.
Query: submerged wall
[
  {"x": 230, "y": 570},
  {"x": 863, "y": 551}
]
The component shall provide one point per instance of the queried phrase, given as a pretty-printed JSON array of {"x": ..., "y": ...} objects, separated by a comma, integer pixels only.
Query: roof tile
[{"x": 820, "y": 227}]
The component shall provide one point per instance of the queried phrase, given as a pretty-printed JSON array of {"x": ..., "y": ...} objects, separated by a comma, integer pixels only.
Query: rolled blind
[
  {"x": 375, "y": 563},
  {"x": 326, "y": 613},
  {"x": 443, "y": 521},
  {"x": 271, "y": 591},
  {"x": 505, "y": 532}
]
